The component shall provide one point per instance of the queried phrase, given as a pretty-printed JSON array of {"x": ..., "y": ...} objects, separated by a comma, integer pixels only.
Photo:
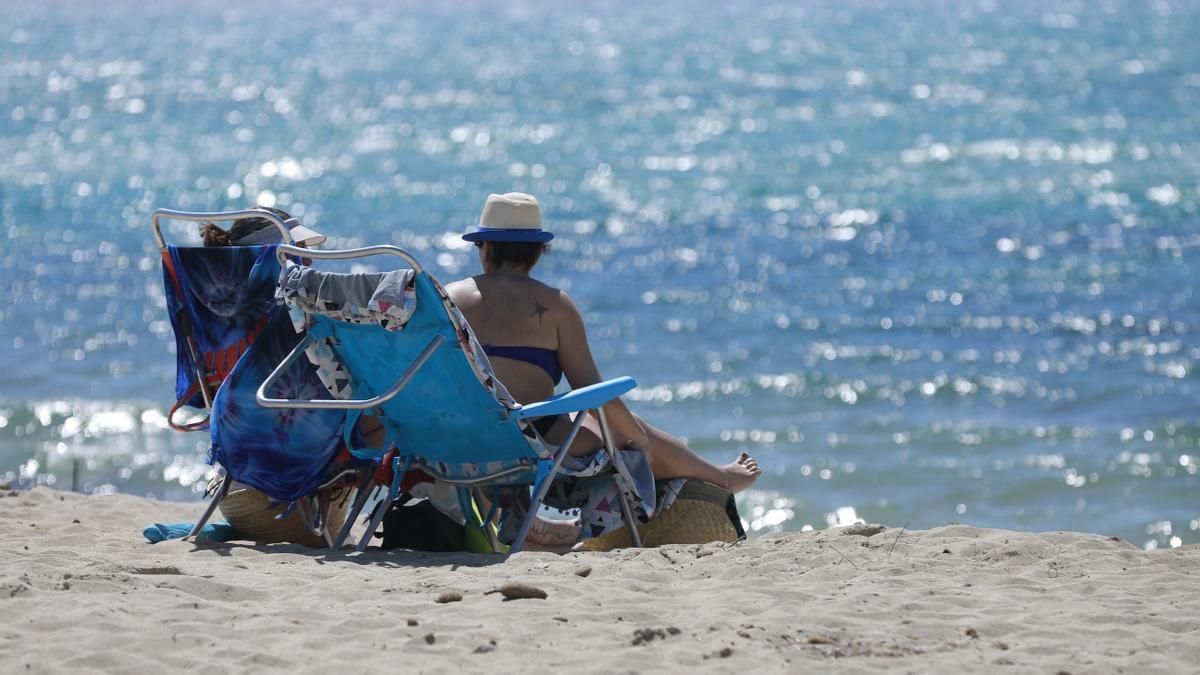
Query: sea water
[{"x": 927, "y": 261}]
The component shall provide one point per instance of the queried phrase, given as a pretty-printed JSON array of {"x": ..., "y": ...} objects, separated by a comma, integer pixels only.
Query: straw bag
[
  {"x": 701, "y": 513},
  {"x": 250, "y": 514}
]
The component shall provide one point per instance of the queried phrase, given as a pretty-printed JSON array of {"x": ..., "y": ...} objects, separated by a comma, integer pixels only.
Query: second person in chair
[{"x": 534, "y": 334}]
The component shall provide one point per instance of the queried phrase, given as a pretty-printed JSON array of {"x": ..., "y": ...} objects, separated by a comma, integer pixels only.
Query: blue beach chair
[
  {"x": 229, "y": 333},
  {"x": 217, "y": 299},
  {"x": 411, "y": 359}
]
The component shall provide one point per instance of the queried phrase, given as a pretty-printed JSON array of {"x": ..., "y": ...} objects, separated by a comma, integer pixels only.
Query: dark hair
[
  {"x": 520, "y": 254},
  {"x": 215, "y": 236}
]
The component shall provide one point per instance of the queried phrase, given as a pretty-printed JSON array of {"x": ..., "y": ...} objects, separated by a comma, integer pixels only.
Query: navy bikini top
[{"x": 546, "y": 359}]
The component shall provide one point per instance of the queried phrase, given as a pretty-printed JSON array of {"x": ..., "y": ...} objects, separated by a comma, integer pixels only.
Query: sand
[{"x": 80, "y": 589}]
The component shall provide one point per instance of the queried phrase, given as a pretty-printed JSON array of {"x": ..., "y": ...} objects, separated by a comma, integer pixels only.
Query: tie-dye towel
[
  {"x": 282, "y": 452},
  {"x": 222, "y": 295}
]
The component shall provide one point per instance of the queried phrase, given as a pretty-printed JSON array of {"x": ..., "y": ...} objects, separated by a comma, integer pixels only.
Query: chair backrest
[
  {"x": 449, "y": 415},
  {"x": 283, "y": 453},
  {"x": 219, "y": 297}
]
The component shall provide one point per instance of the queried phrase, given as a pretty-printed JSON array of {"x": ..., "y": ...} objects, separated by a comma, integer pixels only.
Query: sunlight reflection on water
[{"x": 923, "y": 280}]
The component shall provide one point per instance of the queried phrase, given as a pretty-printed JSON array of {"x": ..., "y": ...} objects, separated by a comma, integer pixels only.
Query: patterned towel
[
  {"x": 588, "y": 485},
  {"x": 223, "y": 295},
  {"x": 283, "y": 453},
  {"x": 386, "y": 298}
]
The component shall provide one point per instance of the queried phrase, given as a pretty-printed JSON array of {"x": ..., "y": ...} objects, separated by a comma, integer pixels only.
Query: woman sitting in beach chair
[{"x": 533, "y": 334}]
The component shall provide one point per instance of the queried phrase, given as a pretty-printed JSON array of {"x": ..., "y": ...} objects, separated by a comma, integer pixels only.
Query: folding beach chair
[
  {"x": 217, "y": 299},
  {"x": 221, "y": 305},
  {"x": 411, "y": 359}
]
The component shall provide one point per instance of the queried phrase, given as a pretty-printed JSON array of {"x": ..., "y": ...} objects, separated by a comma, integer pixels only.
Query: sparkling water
[{"x": 927, "y": 261}]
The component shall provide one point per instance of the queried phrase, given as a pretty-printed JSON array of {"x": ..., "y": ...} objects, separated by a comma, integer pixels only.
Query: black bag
[{"x": 417, "y": 524}]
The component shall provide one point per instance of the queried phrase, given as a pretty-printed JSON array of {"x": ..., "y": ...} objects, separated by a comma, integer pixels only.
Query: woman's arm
[{"x": 575, "y": 356}]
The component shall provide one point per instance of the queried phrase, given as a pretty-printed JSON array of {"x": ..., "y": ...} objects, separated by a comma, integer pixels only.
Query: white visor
[{"x": 270, "y": 235}]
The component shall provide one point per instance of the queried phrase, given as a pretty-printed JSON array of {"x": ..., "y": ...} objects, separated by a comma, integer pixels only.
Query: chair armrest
[{"x": 584, "y": 398}]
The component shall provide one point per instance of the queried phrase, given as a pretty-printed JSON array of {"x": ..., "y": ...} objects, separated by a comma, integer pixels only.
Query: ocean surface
[{"x": 927, "y": 261}]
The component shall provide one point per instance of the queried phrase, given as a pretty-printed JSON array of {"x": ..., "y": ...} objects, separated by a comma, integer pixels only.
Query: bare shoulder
[
  {"x": 552, "y": 298},
  {"x": 462, "y": 291},
  {"x": 563, "y": 300},
  {"x": 570, "y": 318}
]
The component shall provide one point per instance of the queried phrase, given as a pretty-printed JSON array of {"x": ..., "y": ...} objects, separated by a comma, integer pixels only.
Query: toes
[{"x": 745, "y": 466}]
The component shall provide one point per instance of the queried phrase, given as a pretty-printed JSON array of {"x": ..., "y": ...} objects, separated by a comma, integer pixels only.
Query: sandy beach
[{"x": 80, "y": 589}]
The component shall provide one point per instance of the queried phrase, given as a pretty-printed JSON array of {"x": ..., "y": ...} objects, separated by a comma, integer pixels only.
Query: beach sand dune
[{"x": 81, "y": 589}]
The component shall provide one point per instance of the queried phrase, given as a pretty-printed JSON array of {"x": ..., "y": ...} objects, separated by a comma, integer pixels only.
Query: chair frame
[{"x": 578, "y": 401}]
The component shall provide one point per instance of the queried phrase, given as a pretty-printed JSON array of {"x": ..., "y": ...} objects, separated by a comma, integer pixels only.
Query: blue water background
[{"x": 928, "y": 261}]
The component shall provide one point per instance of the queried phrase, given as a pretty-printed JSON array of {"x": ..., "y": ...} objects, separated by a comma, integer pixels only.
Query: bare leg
[
  {"x": 669, "y": 456},
  {"x": 554, "y": 535},
  {"x": 672, "y": 459}
]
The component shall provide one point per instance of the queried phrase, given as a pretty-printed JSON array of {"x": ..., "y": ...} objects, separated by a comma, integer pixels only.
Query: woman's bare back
[{"x": 513, "y": 311}]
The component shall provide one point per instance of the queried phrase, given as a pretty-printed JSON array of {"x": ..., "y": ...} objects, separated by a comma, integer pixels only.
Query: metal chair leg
[
  {"x": 361, "y": 497},
  {"x": 635, "y": 537},
  {"x": 376, "y": 518},
  {"x": 626, "y": 510},
  {"x": 397, "y": 476},
  {"x": 544, "y": 487},
  {"x": 212, "y": 506}
]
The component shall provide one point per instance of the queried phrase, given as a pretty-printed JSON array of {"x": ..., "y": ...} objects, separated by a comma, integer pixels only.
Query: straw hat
[
  {"x": 514, "y": 217},
  {"x": 700, "y": 514},
  {"x": 250, "y": 514}
]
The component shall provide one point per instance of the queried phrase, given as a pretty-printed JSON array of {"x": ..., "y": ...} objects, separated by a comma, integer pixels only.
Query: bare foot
[
  {"x": 741, "y": 473},
  {"x": 554, "y": 533}
]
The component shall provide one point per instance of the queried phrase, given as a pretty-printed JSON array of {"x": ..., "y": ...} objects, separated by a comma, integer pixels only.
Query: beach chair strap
[{"x": 192, "y": 390}]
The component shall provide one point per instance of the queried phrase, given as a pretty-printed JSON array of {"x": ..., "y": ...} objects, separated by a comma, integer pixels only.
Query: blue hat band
[{"x": 512, "y": 235}]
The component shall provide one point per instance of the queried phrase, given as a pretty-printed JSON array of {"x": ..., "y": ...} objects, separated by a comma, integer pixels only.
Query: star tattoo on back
[{"x": 539, "y": 309}]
